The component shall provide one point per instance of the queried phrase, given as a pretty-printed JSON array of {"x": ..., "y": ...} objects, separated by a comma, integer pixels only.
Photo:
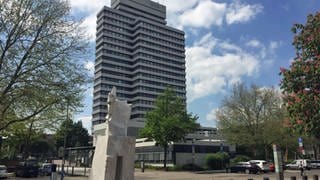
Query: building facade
[
  {"x": 138, "y": 54},
  {"x": 193, "y": 150}
]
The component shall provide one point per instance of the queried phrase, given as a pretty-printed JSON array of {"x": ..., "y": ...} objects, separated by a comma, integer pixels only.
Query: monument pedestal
[{"x": 116, "y": 163}]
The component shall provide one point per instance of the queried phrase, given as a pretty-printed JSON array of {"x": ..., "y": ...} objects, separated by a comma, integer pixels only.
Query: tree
[
  {"x": 169, "y": 121},
  {"x": 301, "y": 81},
  {"x": 76, "y": 135},
  {"x": 40, "y": 48},
  {"x": 251, "y": 117}
]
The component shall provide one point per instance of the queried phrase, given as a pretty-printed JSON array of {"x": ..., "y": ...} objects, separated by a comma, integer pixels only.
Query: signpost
[
  {"x": 301, "y": 148},
  {"x": 278, "y": 162}
]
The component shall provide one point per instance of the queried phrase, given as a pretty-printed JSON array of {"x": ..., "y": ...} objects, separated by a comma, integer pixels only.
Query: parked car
[
  {"x": 3, "y": 172},
  {"x": 27, "y": 169},
  {"x": 272, "y": 167},
  {"x": 263, "y": 165},
  {"x": 296, "y": 164},
  {"x": 246, "y": 167},
  {"x": 315, "y": 164},
  {"x": 46, "y": 169}
]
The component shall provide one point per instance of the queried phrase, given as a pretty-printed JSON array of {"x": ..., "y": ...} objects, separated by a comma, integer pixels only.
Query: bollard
[
  {"x": 265, "y": 178},
  {"x": 85, "y": 171},
  {"x": 293, "y": 178},
  {"x": 67, "y": 171},
  {"x": 304, "y": 177},
  {"x": 72, "y": 170},
  {"x": 315, "y": 177},
  {"x": 142, "y": 166}
]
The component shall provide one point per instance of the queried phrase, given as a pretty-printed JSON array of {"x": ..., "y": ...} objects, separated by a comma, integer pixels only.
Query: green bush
[
  {"x": 216, "y": 160},
  {"x": 239, "y": 158}
]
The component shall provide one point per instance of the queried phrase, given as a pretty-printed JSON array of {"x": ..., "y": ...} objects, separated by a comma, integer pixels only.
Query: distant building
[
  {"x": 138, "y": 54},
  {"x": 194, "y": 150}
]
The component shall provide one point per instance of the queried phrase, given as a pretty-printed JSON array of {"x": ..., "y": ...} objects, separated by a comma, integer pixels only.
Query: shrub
[
  {"x": 217, "y": 160},
  {"x": 239, "y": 158}
]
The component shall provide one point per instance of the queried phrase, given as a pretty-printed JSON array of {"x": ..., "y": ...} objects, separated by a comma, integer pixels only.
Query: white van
[
  {"x": 306, "y": 163},
  {"x": 263, "y": 165}
]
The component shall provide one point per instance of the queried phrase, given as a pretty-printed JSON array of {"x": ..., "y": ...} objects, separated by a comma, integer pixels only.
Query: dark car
[
  {"x": 27, "y": 169},
  {"x": 246, "y": 167}
]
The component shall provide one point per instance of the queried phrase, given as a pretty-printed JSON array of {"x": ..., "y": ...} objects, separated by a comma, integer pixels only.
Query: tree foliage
[
  {"x": 251, "y": 117},
  {"x": 169, "y": 121},
  {"x": 40, "y": 48},
  {"x": 301, "y": 81},
  {"x": 74, "y": 133}
]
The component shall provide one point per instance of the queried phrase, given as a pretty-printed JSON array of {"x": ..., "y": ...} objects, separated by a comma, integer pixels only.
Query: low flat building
[{"x": 192, "y": 151}]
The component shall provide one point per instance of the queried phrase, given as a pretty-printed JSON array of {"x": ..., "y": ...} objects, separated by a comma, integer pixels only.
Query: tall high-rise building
[{"x": 138, "y": 54}]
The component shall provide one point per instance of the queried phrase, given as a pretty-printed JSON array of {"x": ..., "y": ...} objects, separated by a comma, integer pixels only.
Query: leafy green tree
[
  {"x": 41, "y": 46},
  {"x": 301, "y": 81},
  {"x": 169, "y": 121},
  {"x": 74, "y": 133},
  {"x": 251, "y": 117}
]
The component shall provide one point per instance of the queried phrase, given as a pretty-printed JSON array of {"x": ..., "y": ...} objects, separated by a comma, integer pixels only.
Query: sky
[{"x": 227, "y": 42}]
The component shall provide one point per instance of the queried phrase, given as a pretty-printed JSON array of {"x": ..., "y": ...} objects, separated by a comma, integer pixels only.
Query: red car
[{"x": 271, "y": 167}]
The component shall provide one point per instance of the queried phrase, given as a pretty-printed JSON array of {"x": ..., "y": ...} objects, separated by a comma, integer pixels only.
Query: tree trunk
[
  {"x": 27, "y": 142},
  {"x": 165, "y": 157}
]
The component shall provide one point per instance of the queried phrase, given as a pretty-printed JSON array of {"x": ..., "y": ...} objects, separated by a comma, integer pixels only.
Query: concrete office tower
[{"x": 139, "y": 54}]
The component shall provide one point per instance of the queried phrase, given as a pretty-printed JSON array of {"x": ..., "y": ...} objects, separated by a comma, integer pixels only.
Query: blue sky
[{"x": 227, "y": 41}]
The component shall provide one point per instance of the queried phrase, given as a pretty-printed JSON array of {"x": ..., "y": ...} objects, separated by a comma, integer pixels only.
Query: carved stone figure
[{"x": 114, "y": 151}]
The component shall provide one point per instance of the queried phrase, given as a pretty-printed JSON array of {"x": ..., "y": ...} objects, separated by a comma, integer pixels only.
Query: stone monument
[{"x": 114, "y": 151}]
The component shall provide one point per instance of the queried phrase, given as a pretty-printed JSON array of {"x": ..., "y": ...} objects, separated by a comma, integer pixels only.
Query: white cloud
[
  {"x": 205, "y": 14},
  {"x": 254, "y": 43},
  {"x": 89, "y": 65},
  {"x": 86, "y": 122},
  {"x": 89, "y": 9},
  {"x": 179, "y": 5},
  {"x": 209, "y": 71},
  {"x": 211, "y": 116},
  {"x": 88, "y": 6},
  {"x": 238, "y": 12}
]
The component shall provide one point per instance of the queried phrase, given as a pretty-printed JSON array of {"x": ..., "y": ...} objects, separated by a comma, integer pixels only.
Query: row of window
[
  {"x": 119, "y": 81},
  {"x": 143, "y": 102},
  {"x": 141, "y": 109},
  {"x": 117, "y": 16},
  {"x": 157, "y": 58},
  {"x": 161, "y": 47},
  {"x": 154, "y": 70},
  {"x": 151, "y": 76},
  {"x": 116, "y": 21},
  {"x": 154, "y": 83},
  {"x": 159, "y": 52},
  {"x": 154, "y": 33},
  {"x": 171, "y": 43},
  {"x": 117, "y": 35},
  {"x": 108, "y": 87},
  {"x": 159, "y": 65},
  {"x": 112, "y": 59},
  {"x": 113, "y": 27},
  {"x": 117, "y": 41},
  {"x": 151, "y": 26},
  {"x": 106, "y": 51},
  {"x": 117, "y": 47}
]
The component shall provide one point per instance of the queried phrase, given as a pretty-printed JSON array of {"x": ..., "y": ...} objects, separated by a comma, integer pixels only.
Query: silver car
[{"x": 3, "y": 171}]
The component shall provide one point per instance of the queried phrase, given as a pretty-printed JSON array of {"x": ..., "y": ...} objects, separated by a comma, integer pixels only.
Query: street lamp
[{"x": 65, "y": 142}]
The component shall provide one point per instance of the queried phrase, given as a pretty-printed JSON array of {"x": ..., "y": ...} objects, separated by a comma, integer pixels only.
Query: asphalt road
[{"x": 160, "y": 175}]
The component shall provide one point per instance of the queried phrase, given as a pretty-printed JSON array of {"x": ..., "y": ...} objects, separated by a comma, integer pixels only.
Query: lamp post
[{"x": 65, "y": 142}]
